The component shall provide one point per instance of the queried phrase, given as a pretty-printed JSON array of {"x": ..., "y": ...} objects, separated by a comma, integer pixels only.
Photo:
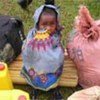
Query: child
[{"x": 42, "y": 51}]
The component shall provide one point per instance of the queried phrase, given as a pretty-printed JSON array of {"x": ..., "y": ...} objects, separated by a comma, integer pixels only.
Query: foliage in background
[{"x": 68, "y": 11}]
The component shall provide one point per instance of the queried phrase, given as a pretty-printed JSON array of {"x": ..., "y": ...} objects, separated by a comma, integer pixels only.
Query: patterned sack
[
  {"x": 43, "y": 59},
  {"x": 84, "y": 48}
]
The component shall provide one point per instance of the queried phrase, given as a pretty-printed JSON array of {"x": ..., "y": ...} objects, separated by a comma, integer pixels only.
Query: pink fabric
[
  {"x": 92, "y": 93},
  {"x": 84, "y": 48}
]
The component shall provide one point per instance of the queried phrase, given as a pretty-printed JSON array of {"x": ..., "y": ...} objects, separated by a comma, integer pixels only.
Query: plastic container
[
  {"x": 14, "y": 94},
  {"x": 5, "y": 80}
]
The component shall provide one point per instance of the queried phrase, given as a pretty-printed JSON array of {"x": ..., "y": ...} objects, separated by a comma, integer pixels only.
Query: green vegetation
[{"x": 68, "y": 11}]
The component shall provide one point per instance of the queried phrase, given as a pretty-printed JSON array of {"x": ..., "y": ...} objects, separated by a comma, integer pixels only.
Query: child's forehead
[{"x": 48, "y": 15}]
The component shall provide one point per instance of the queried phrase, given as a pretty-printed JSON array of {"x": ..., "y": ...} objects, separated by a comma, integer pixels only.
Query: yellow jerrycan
[
  {"x": 14, "y": 94},
  {"x": 5, "y": 80}
]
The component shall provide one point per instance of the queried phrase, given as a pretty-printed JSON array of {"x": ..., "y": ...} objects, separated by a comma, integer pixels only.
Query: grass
[{"x": 68, "y": 11}]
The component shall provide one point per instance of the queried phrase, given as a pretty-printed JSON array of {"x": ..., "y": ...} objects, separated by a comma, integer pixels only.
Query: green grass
[{"x": 68, "y": 11}]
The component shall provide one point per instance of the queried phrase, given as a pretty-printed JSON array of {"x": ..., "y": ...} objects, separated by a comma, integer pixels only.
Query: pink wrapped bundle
[{"x": 84, "y": 48}]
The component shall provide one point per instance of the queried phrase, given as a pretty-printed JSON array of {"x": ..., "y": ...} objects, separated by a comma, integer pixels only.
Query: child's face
[{"x": 48, "y": 22}]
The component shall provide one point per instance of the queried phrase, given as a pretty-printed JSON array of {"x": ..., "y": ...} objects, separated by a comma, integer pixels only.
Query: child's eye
[
  {"x": 44, "y": 24},
  {"x": 53, "y": 23}
]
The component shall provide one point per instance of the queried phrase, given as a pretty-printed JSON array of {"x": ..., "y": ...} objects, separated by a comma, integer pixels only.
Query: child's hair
[{"x": 49, "y": 11}]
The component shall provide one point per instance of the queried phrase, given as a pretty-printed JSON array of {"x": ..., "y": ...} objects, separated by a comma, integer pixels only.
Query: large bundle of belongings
[
  {"x": 11, "y": 38},
  {"x": 84, "y": 48}
]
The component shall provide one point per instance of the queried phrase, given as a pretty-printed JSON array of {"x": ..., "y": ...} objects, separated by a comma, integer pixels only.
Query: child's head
[
  {"x": 48, "y": 20},
  {"x": 46, "y": 17}
]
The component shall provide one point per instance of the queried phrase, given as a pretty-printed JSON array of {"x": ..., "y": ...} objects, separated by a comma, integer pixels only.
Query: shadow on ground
[{"x": 66, "y": 91}]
